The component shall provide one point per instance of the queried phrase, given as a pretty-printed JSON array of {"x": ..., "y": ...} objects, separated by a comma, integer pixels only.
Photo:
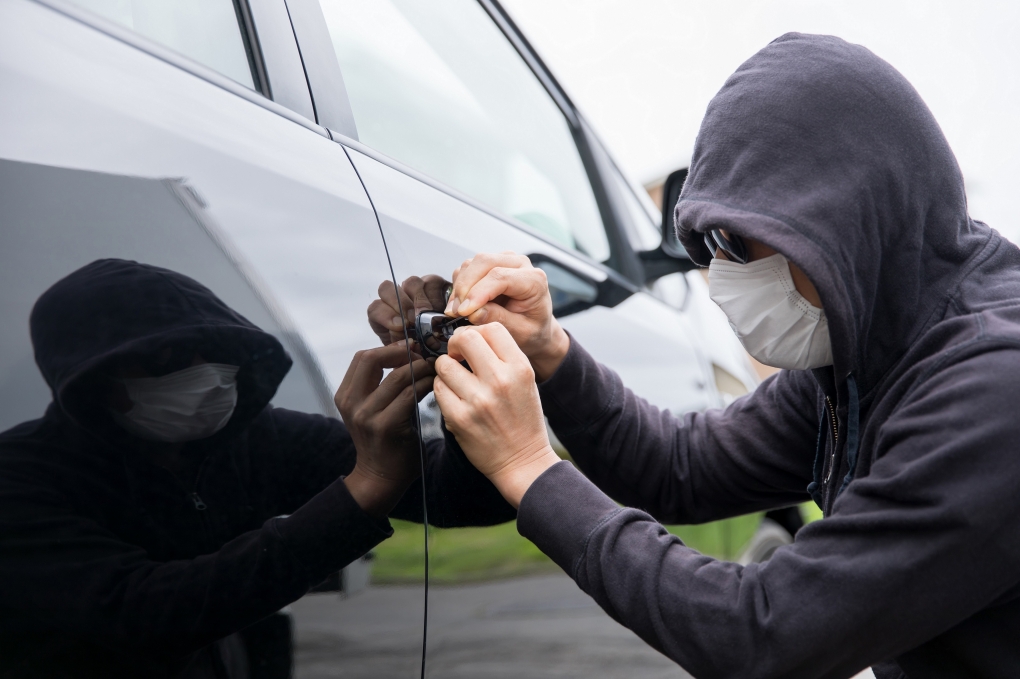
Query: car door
[
  {"x": 465, "y": 145},
  {"x": 183, "y": 135}
]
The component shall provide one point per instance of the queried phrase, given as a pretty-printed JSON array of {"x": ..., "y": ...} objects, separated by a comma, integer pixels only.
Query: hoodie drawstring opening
[
  {"x": 852, "y": 431},
  {"x": 813, "y": 488}
]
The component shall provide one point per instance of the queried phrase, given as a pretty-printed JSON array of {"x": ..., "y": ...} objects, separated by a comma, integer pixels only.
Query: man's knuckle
[
  {"x": 485, "y": 401},
  {"x": 359, "y": 419},
  {"x": 502, "y": 382}
]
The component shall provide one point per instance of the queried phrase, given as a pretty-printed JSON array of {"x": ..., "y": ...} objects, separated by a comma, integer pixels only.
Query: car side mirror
[
  {"x": 670, "y": 256},
  {"x": 670, "y": 195}
]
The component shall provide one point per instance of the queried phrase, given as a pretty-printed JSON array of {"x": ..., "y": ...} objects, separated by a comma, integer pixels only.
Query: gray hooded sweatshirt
[{"x": 910, "y": 442}]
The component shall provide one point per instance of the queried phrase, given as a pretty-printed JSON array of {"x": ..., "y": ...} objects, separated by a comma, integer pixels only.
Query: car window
[
  {"x": 642, "y": 223},
  {"x": 207, "y": 31},
  {"x": 438, "y": 87}
]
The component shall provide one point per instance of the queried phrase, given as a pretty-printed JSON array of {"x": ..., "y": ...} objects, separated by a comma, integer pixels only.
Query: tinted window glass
[
  {"x": 437, "y": 86},
  {"x": 204, "y": 30}
]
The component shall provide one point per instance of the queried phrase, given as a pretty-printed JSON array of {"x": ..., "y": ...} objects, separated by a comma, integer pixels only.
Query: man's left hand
[{"x": 378, "y": 413}]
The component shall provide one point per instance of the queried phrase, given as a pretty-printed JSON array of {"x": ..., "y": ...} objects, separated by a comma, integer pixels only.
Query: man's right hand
[{"x": 508, "y": 289}]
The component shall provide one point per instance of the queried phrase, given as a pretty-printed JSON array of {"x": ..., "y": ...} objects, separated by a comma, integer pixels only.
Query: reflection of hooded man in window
[{"x": 137, "y": 529}]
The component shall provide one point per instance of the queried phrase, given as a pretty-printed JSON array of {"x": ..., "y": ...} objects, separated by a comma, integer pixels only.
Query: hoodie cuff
[
  {"x": 330, "y": 531},
  {"x": 560, "y": 512},
  {"x": 579, "y": 392}
]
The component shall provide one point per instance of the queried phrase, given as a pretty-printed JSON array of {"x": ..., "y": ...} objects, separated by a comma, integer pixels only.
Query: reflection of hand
[
  {"x": 507, "y": 289},
  {"x": 416, "y": 295},
  {"x": 378, "y": 414},
  {"x": 494, "y": 409}
]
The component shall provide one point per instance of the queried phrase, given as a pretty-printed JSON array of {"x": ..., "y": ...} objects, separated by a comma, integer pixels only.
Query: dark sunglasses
[{"x": 733, "y": 246}]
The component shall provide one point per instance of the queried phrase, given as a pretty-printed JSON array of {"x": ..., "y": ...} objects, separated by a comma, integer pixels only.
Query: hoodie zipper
[
  {"x": 196, "y": 499},
  {"x": 835, "y": 438},
  {"x": 200, "y": 505}
]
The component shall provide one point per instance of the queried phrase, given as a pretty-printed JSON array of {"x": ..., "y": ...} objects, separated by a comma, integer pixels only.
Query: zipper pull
[{"x": 199, "y": 505}]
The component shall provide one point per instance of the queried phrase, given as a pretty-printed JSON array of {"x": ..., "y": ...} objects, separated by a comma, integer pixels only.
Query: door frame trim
[{"x": 169, "y": 56}]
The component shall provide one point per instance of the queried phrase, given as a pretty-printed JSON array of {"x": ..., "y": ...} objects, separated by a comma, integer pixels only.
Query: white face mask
[
  {"x": 189, "y": 404},
  {"x": 772, "y": 320}
]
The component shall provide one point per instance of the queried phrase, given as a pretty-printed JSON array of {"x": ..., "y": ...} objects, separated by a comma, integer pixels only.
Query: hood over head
[
  {"x": 113, "y": 308},
  {"x": 827, "y": 154}
]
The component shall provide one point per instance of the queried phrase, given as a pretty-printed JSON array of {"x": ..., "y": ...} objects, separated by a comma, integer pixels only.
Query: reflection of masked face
[
  {"x": 773, "y": 321},
  {"x": 186, "y": 405}
]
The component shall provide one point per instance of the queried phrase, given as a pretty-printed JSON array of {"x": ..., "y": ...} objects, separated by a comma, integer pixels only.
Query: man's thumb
[{"x": 491, "y": 313}]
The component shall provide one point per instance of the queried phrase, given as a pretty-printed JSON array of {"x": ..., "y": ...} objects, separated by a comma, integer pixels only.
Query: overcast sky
[{"x": 643, "y": 71}]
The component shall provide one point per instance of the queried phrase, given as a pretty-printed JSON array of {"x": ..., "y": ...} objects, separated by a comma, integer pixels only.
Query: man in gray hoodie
[{"x": 820, "y": 181}]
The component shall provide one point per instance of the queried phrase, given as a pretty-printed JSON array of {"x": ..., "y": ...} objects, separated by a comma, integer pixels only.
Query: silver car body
[{"x": 114, "y": 145}]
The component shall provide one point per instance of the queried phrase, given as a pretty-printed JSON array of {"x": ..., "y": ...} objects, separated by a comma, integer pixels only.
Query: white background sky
[{"x": 643, "y": 72}]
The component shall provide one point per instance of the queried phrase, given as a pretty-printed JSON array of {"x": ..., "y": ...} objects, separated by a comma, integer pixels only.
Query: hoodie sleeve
[
  {"x": 922, "y": 543},
  {"x": 311, "y": 450},
  {"x": 458, "y": 494},
  {"x": 755, "y": 454},
  {"x": 62, "y": 569}
]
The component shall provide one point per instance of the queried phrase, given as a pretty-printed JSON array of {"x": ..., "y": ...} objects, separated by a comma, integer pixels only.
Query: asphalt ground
[{"x": 541, "y": 627}]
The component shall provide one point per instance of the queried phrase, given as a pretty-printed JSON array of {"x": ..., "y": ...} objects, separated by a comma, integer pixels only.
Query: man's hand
[
  {"x": 494, "y": 409},
  {"x": 415, "y": 295},
  {"x": 378, "y": 413},
  {"x": 507, "y": 289}
]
